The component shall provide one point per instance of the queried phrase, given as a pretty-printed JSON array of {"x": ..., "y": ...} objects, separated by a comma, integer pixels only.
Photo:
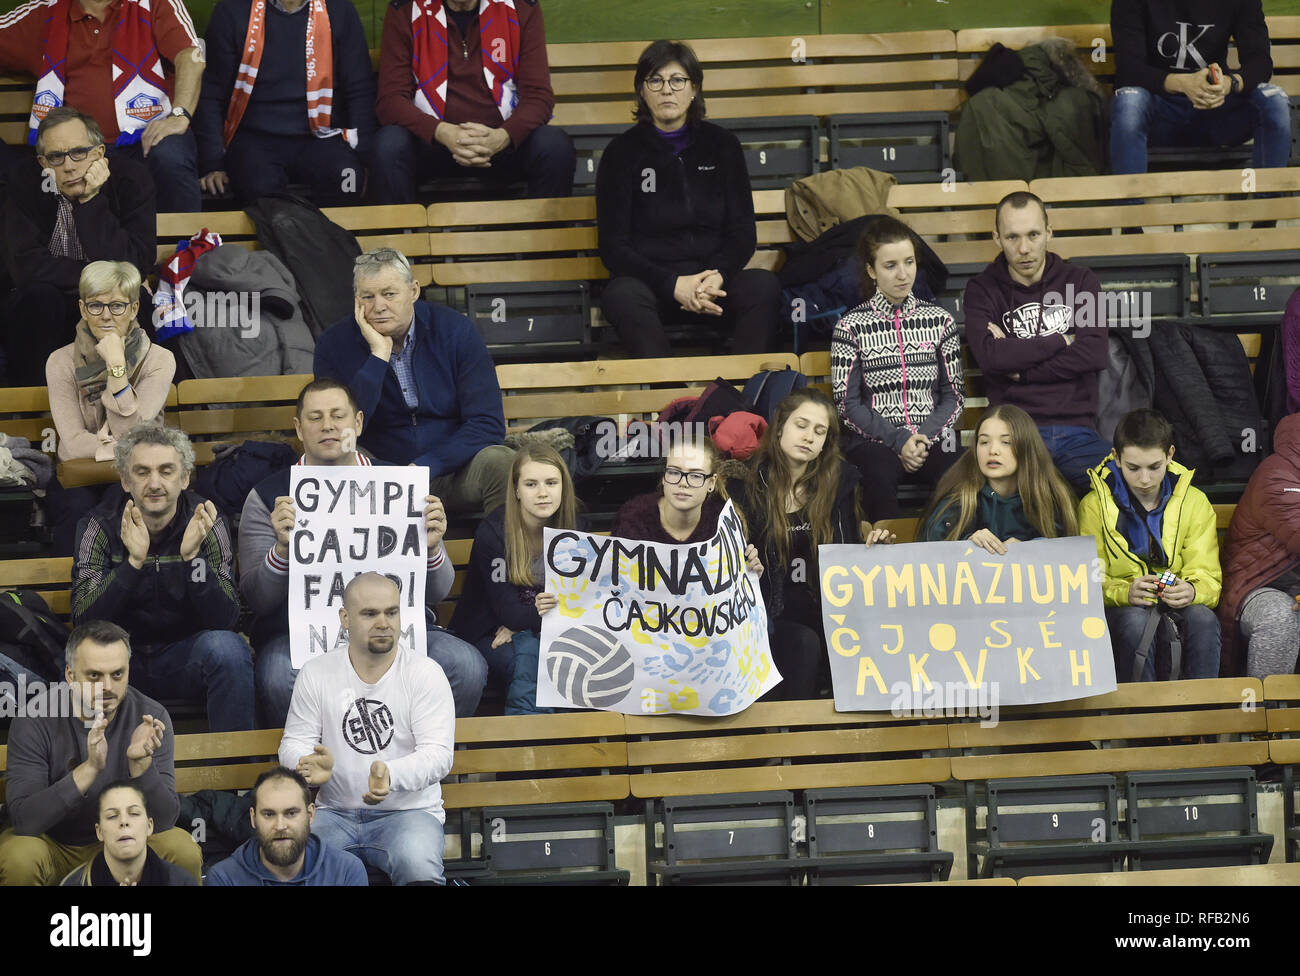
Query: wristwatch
[
  {"x": 177, "y": 112},
  {"x": 117, "y": 372}
]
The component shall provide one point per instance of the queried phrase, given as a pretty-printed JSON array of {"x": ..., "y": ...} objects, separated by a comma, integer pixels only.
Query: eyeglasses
[
  {"x": 695, "y": 479},
  {"x": 676, "y": 83},
  {"x": 382, "y": 255},
  {"x": 57, "y": 158},
  {"x": 97, "y": 308}
]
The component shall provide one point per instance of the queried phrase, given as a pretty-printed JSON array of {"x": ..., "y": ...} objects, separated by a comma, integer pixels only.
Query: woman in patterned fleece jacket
[{"x": 896, "y": 375}]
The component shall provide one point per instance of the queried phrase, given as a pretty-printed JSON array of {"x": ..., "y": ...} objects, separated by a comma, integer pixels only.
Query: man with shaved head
[{"x": 373, "y": 727}]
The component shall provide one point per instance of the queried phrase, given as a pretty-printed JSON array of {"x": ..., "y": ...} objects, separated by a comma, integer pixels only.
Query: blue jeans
[
  {"x": 213, "y": 664},
  {"x": 463, "y": 665},
  {"x": 399, "y": 160},
  {"x": 174, "y": 166},
  {"x": 521, "y": 692},
  {"x": 1198, "y": 625},
  {"x": 1074, "y": 450},
  {"x": 407, "y": 845},
  {"x": 1139, "y": 118}
]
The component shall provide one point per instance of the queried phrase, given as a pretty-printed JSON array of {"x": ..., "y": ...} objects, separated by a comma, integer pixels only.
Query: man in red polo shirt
[
  {"x": 104, "y": 57},
  {"x": 464, "y": 88}
]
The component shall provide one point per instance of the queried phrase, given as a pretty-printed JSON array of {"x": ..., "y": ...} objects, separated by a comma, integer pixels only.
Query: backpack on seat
[{"x": 763, "y": 391}]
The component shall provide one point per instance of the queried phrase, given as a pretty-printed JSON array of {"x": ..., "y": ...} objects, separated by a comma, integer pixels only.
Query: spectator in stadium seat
[
  {"x": 160, "y": 562},
  {"x": 58, "y": 766},
  {"x": 501, "y": 606},
  {"x": 464, "y": 89},
  {"x": 896, "y": 374},
  {"x": 124, "y": 828},
  {"x": 424, "y": 380},
  {"x": 115, "y": 60},
  {"x": 796, "y": 494},
  {"x": 258, "y": 126},
  {"x": 1036, "y": 326},
  {"x": 284, "y": 850},
  {"x": 675, "y": 215},
  {"x": 1261, "y": 566},
  {"x": 1004, "y": 489},
  {"x": 1168, "y": 54},
  {"x": 327, "y": 422},
  {"x": 373, "y": 727},
  {"x": 103, "y": 383},
  {"x": 1148, "y": 518},
  {"x": 95, "y": 209}
]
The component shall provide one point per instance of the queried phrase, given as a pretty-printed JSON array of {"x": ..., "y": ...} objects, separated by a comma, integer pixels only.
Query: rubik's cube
[{"x": 1165, "y": 579}]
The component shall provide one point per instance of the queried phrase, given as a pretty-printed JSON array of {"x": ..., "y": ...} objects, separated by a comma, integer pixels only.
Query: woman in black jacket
[
  {"x": 676, "y": 217},
  {"x": 500, "y": 609},
  {"x": 796, "y": 495}
]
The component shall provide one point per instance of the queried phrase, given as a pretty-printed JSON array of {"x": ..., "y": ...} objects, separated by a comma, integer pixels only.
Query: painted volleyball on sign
[{"x": 590, "y": 667}]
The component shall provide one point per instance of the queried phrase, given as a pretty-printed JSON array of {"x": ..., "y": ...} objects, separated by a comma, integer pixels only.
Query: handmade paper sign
[
  {"x": 352, "y": 520},
  {"x": 644, "y": 627}
]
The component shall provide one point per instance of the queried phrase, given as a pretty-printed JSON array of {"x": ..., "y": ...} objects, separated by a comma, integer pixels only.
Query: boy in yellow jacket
[{"x": 1147, "y": 520}]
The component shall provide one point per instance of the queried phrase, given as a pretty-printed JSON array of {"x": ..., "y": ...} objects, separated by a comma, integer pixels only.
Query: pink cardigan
[{"x": 78, "y": 435}]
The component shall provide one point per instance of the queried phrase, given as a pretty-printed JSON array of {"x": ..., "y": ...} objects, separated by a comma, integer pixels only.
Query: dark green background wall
[{"x": 631, "y": 20}]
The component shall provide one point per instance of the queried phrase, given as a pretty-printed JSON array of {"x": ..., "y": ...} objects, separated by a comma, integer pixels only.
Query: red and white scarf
[
  {"x": 139, "y": 88},
  {"x": 320, "y": 72},
  {"x": 498, "y": 27}
]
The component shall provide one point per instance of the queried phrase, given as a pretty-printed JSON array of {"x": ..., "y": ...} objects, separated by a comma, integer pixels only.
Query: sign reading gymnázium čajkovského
[
  {"x": 647, "y": 627},
  {"x": 351, "y": 520},
  {"x": 935, "y": 625}
]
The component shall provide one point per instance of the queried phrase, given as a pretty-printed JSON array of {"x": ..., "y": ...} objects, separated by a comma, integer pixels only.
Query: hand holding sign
[
  {"x": 282, "y": 521},
  {"x": 752, "y": 561},
  {"x": 987, "y": 541},
  {"x": 379, "y": 785},
  {"x": 435, "y": 521},
  {"x": 201, "y": 522},
  {"x": 546, "y": 601}
]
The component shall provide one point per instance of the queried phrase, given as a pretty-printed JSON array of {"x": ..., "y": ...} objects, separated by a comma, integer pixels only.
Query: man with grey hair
[
  {"x": 423, "y": 378},
  {"x": 160, "y": 562},
  {"x": 58, "y": 765},
  {"x": 61, "y": 212}
]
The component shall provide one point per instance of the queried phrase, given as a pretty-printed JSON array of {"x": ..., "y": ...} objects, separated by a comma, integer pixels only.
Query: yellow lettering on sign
[
  {"x": 993, "y": 596},
  {"x": 841, "y": 595},
  {"x": 868, "y": 595},
  {"x": 1080, "y": 668},
  {"x": 897, "y": 647},
  {"x": 1048, "y": 593},
  {"x": 934, "y": 584},
  {"x": 900, "y": 586},
  {"x": 1048, "y": 629},
  {"x": 867, "y": 667},
  {"x": 964, "y": 577},
  {"x": 1072, "y": 581},
  {"x": 1023, "y": 654},
  {"x": 978, "y": 678},
  {"x": 917, "y": 669},
  {"x": 998, "y": 627}
]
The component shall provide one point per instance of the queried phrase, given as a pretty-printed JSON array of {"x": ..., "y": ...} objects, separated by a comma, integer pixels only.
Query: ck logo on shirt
[
  {"x": 1036, "y": 319},
  {"x": 1185, "y": 47},
  {"x": 368, "y": 726}
]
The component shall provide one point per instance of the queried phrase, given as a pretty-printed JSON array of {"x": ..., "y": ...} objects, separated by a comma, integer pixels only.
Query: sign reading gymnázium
[
  {"x": 934, "y": 626},
  {"x": 352, "y": 520},
  {"x": 644, "y": 627}
]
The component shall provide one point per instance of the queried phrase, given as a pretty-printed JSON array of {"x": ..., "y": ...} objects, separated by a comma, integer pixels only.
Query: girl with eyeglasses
[
  {"x": 103, "y": 383},
  {"x": 797, "y": 494},
  {"x": 675, "y": 215},
  {"x": 500, "y": 609},
  {"x": 688, "y": 502}
]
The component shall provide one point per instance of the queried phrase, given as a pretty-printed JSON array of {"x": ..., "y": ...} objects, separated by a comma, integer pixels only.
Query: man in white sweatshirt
[{"x": 374, "y": 727}]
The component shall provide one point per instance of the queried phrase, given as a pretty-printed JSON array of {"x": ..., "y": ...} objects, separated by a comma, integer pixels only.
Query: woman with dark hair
[
  {"x": 676, "y": 217},
  {"x": 1004, "y": 489},
  {"x": 796, "y": 495},
  {"x": 896, "y": 374}
]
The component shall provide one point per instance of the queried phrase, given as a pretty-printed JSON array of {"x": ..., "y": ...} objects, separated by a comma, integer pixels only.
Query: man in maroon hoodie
[
  {"x": 1036, "y": 325},
  {"x": 464, "y": 88}
]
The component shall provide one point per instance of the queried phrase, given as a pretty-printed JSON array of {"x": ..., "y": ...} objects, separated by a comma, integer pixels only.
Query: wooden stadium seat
[
  {"x": 1194, "y": 818},
  {"x": 216, "y": 412},
  {"x": 554, "y": 844},
  {"x": 737, "y": 838},
  {"x": 51, "y": 578},
  {"x": 1252, "y": 874},
  {"x": 874, "y": 835},
  {"x": 1282, "y": 692}
]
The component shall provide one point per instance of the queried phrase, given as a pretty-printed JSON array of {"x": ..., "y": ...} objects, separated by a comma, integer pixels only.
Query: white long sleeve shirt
[{"x": 406, "y": 718}]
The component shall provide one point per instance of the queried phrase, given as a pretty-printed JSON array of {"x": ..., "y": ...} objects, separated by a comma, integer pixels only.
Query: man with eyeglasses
[
  {"x": 80, "y": 207},
  {"x": 465, "y": 89},
  {"x": 134, "y": 66},
  {"x": 423, "y": 378}
]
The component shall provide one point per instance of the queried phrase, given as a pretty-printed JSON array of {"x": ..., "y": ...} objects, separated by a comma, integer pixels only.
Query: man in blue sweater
[
  {"x": 288, "y": 95},
  {"x": 285, "y": 851},
  {"x": 423, "y": 378}
]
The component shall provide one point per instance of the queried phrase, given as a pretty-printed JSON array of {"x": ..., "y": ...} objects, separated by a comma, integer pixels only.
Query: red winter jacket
[{"x": 1264, "y": 538}]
